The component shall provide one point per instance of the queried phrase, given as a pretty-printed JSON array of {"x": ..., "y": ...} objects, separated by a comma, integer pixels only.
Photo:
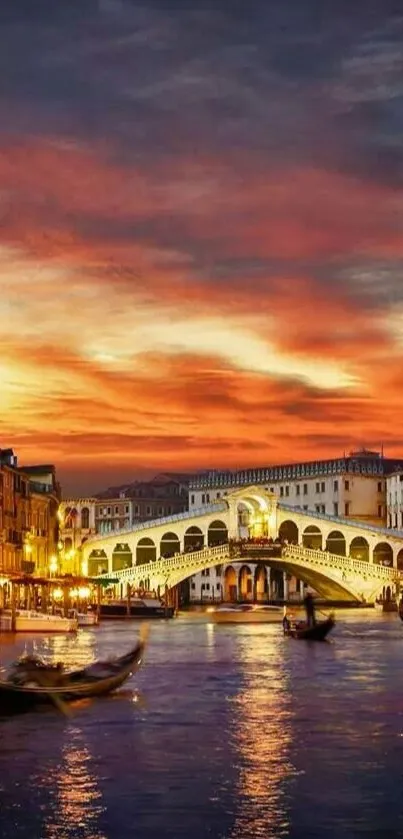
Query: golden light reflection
[
  {"x": 262, "y": 735},
  {"x": 78, "y": 802}
]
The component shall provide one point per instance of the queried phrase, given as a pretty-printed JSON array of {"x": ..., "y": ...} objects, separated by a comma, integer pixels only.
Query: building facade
[
  {"x": 29, "y": 500},
  {"x": 394, "y": 500},
  {"x": 352, "y": 487},
  {"x": 77, "y": 521}
]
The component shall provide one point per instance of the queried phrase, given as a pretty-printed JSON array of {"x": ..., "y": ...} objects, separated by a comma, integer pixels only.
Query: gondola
[
  {"x": 302, "y": 632},
  {"x": 32, "y": 682}
]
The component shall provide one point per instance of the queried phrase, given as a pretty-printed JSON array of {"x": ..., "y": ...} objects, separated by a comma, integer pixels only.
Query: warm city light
[{"x": 53, "y": 565}]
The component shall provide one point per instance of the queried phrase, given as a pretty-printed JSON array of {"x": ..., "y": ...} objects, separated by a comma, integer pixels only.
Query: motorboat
[
  {"x": 28, "y": 620},
  {"x": 245, "y": 613},
  {"x": 139, "y": 607},
  {"x": 84, "y": 618},
  {"x": 302, "y": 632},
  {"x": 32, "y": 682}
]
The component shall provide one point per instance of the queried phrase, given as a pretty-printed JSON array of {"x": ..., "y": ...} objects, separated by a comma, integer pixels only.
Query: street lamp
[{"x": 53, "y": 564}]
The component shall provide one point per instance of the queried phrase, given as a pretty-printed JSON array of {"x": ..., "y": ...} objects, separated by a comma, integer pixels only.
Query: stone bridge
[{"x": 339, "y": 557}]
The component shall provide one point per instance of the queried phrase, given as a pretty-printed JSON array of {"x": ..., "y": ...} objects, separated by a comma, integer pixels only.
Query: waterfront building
[
  {"x": 118, "y": 507},
  {"x": 76, "y": 524},
  {"x": 394, "y": 500},
  {"x": 29, "y": 500},
  {"x": 353, "y": 486}
]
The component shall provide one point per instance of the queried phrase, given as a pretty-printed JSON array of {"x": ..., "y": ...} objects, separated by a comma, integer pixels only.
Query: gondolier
[{"x": 309, "y": 604}]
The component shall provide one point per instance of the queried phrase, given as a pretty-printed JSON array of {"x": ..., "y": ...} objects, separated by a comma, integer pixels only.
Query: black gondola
[
  {"x": 32, "y": 682},
  {"x": 302, "y": 632}
]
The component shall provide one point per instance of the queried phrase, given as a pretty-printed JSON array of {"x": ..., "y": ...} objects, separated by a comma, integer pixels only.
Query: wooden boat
[
  {"x": 245, "y": 613},
  {"x": 302, "y": 632},
  {"x": 32, "y": 682}
]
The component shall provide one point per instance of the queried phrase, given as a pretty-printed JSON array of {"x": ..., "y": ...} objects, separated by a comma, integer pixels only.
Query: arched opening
[
  {"x": 146, "y": 551},
  {"x": 230, "y": 585},
  {"x": 336, "y": 543},
  {"x": 400, "y": 560},
  {"x": 97, "y": 563},
  {"x": 359, "y": 549},
  {"x": 122, "y": 557},
  {"x": 245, "y": 583},
  {"x": 260, "y": 583},
  {"x": 68, "y": 544},
  {"x": 383, "y": 554},
  {"x": 194, "y": 539},
  {"x": 312, "y": 538},
  {"x": 288, "y": 532},
  {"x": 85, "y": 518},
  {"x": 217, "y": 533},
  {"x": 170, "y": 545}
]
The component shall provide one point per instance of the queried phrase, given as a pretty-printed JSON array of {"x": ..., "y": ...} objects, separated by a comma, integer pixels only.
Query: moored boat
[
  {"x": 245, "y": 613},
  {"x": 302, "y": 632},
  {"x": 32, "y": 682},
  {"x": 139, "y": 607},
  {"x": 84, "y": 618},
  {"x": 31, "y": 621}
]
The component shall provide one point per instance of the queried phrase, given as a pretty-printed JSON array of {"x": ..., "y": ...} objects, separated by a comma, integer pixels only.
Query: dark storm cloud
[{"x": 316, "y": 81}]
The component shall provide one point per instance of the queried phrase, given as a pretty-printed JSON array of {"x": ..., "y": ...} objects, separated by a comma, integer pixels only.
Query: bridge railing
[
  {"x": 348, "y": 562},
  {"x": 234, "y": 552}
]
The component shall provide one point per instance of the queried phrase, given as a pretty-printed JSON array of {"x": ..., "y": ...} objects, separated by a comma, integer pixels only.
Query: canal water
[{"x": 226, "y": 732}]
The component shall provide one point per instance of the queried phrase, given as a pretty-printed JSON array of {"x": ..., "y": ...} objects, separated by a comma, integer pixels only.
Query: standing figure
[{"x": 309, "y": 604}]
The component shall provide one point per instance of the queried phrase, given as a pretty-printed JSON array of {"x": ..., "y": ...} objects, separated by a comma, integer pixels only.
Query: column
[{"x": 285, "y": 585}]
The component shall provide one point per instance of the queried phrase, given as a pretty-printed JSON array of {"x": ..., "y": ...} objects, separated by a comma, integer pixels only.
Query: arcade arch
[
  {"x": 194, "y": 539},
  {"x": 169, "y": 545},
  {"x": 383, "y": 554},
  {"x": 97, "y": 563},
  {"x": 336, "y": 543},
  {"x": 245, "y": 583},
  {"x": 359, "y": 549},
  {"x": 146, "y": 551},
  {"x": 230, "y": 584},
  {"x": 288, "y": 531},
  {"x": 122, "y": 557},
  {"x": 312, "y": 537},
  {"x": 217, "y": 533},
  {"x": 261, "y": 587},
  {"x": 85, "y": 518}
]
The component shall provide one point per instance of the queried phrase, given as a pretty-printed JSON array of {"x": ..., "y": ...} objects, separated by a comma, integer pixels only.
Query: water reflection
[
  {"x": 262, "y": 737},
  {"x": 77, "y": 801}
]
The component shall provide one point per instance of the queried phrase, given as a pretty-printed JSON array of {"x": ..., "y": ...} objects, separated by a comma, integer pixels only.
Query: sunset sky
[{"x": 201, "y": 233}]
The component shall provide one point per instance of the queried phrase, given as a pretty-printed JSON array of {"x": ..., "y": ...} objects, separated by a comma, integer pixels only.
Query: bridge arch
[
  {"x": 383, "y": 554},
  {"x": 245, "y": 583},
  {"x": 170, "y": 544},
  {"x": 288, "y": 530},
  {"x": 336, "y": 543},
  {"x": 217, "y": 533},
  {"x": 359, "y": 548},
  {"x": 230, "y": 584},
  {"x": 399, "y": 560},
  {"x": 146, "y": 551},
  {"x": 97, "y": 563},
  {"x": 122, "y": 557},
  {"x": 312, "y": 537},
  {"x": 193, "y": 539}
]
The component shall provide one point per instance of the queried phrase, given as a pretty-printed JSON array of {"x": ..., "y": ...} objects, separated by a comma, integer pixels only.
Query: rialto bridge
[{"x": 340, "y": 558}]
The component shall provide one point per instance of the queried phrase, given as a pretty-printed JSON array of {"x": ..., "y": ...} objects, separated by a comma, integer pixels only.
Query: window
[
  {"x": 317, "y": 487},
  {"x": 335, "y": 509},
  {"x": 380, "y": 511},
  {"x": 335, "y": 486},
  {"x": 297, "y": 489},
  {"x": 193, "y": 586},
  {"x": 281, "y": 491},
  {"x": 116, "y": 510},
  {"x": 148, "y": 511},
  {"x": 305, "y": 507},
  {"x": 271, "y": 489},
  {"x": 192, "y": 499},
  {"x": 347, "y": 508},
  {"x": 379, "y": 486},
  {"x": 323, "y": 508},
  {"x": 287, "y": 491},
  {"x": 208, "y": 497},
  {"x": 109, "y": 511},
  {"x": 203, "y": 498},
  {"x": 305, "y": 489},
  {"x": 202, "y": 587},
  {"x": 322, "y": 486},
  {"x": 218, "y": 586},
  {"x": 218, "y": 494},
  {"x": 347, "y": 485},
  {"x": 126, "y": 509},
  {"x": 317, "y": 508},
  {"x": 160, "y": 511},
  {"x": 136, "y": 510}
]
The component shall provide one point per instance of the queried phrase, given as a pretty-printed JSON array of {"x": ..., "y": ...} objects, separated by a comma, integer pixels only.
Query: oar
[{"x": 57, "y": 700}]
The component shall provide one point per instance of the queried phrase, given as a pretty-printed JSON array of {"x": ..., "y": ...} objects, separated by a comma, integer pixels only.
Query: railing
[
  {"x": 194, "y": 559},
  {"x": 217, "y": 507},
  {"x": 346, "y": 522}
]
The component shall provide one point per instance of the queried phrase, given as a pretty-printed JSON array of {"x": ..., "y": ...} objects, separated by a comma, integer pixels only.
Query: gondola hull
[
  {"x": 82, "y": 684},
  {"x": 319, "y": 632}
]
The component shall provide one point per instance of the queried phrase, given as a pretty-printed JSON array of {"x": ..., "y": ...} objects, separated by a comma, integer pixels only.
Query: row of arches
[
  {"x": 247, "y": 584},
  {"x": 74, "y": 517},
  {"x": 336, "y": 543},
  {"x": 148, "y": 551}
]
